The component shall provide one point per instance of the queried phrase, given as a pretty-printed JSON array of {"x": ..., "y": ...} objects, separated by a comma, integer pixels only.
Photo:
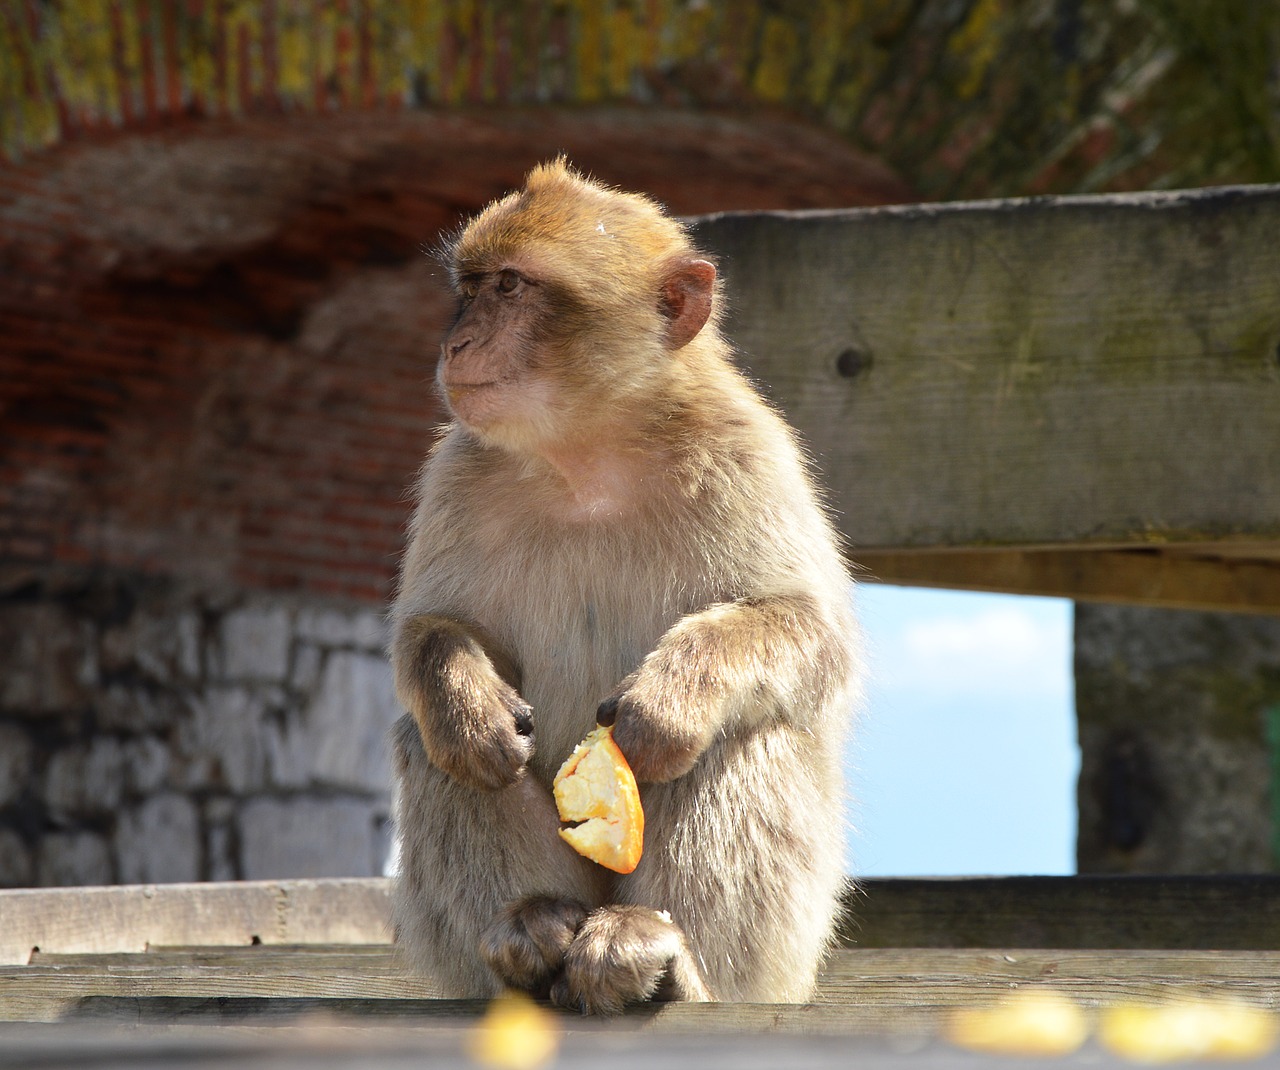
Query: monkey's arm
[
  {"x": 462, "y": 691},
  {"x": 733, "y": 663}
]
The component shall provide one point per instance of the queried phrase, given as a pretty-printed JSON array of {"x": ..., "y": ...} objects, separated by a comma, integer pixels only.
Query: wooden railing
[{"x": 1067, "y": 396}]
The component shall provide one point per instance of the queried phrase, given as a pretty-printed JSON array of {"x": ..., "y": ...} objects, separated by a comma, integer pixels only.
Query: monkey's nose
[{"x": 452, "y": 348}]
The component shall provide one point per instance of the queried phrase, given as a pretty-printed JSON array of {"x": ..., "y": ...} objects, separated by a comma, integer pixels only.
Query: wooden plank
[
  {"x": 329, "y": 1045},
  {"x": 949, "y": 978},
  {"x": 1108, "y": 912},
  {"x": 1097, "y": 371},
  {"x": 1173, "y": 578},
  {"x": 129, "y": 918},
  {"x": 871, "y": 992},
  {"x": 1067, "y": 912}
]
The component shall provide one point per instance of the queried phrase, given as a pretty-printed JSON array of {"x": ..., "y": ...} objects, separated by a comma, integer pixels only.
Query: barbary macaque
[{"x": 615, "y": 525}]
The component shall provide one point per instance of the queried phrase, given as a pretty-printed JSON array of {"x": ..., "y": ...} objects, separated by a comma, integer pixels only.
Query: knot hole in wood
[{"x": 853, "y": 362}]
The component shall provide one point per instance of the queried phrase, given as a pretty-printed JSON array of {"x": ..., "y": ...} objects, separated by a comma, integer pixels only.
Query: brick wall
[{"x": 218, "y": 343}]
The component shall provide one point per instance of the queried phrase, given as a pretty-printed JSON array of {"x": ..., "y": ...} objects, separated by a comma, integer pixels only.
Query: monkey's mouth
[
  {"x": 463, "y": 390},
  {"x": 460, "y": 395}
]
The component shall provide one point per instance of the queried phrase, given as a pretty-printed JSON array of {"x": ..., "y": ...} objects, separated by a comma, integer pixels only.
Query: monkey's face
[
  {"x": 479, "y": 370},
  {"x": 572, "y": 300}
]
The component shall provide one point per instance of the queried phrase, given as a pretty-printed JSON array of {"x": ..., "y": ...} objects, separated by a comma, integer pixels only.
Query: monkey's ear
[{"x": 686, "y": 300}]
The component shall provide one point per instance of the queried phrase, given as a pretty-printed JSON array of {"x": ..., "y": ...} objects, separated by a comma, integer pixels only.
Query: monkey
[{"x": 614, "y": 526}]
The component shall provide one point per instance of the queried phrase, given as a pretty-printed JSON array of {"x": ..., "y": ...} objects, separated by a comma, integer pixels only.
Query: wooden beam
[
  {"x": 873, "y": 990},
  {"x": 1087, "y": 371},
  {"x": 1174, "y": 579},
  {"x": 134, "y": 917},
  {"x": 1180, "y": 913},
  {"x": 1240, "y": 913}
]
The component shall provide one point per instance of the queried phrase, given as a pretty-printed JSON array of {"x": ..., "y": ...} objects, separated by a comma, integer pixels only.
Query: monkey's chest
[{"x": 579, "y": 616}]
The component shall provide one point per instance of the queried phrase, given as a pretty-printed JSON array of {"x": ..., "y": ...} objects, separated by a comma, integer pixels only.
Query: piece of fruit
[
  {"x": 514, "y": 1034},
  {"x": 1029, "y": 1022},
  {"x": 596, "y": 789},
  {"x": 1188, "y": 1029}
]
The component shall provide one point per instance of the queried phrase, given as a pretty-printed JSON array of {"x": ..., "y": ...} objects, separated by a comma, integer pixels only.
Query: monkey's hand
[
  {"x": 731, "y": 664},
  {"x": 658, "y": 722},
  {"x": 462, "y": 693}
]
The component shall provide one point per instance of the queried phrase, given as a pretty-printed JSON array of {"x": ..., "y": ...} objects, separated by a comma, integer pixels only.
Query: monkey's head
[{"x": 574, "y": 302}]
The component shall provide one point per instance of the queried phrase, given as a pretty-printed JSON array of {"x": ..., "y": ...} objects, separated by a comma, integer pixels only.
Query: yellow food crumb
[
  {"x": 1029, "y": 1022},
  {"x": 1187, "y": 1029},
  {"x": 514, "y": 1034}
]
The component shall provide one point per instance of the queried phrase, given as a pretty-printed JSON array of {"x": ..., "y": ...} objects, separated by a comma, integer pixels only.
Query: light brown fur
[{"x": 615, "y": 515}]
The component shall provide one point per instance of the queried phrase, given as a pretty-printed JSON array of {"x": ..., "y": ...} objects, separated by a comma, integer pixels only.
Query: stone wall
[
  {"x": 1179, "y": 719},
  {"x": 151, "y": 733}
]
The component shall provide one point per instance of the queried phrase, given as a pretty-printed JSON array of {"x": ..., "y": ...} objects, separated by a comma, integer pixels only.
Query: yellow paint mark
[
  {"x": 738, "y": 32},
  {"x": 696, "y": 39},
  {"x": 460, "y": 23},
  {"x": 84, "y": 37},
  {"x": 622, "y": 51},
  {"x": 826, "y": 40},
  {"x": 778, "y": 54},
  {"x": 195, "y": 55},
  {"x": 426, "y": 20},
  {"x": 976, "y": 44},
  {"x": 588, "y": 49},
  {"x": 294, "y": 55},
  {"x": 24, "y": 78},
  {"x": 391, "y": 52}
]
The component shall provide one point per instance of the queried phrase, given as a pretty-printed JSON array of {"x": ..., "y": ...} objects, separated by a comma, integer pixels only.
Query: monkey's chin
[{"x": 509, "y": 415}]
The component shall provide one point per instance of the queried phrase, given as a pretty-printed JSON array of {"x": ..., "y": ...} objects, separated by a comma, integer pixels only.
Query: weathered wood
[
  {"x": 1090, "y": 372},
  {"x": 1067, "y": 912},
  {"x": 320, "y": 1044},
  {"x": 129, "y": 918},
  {"x": 1206, "y": 577},
  {"x": 1081, "y": 912},
  {"x": 900, "y": 989}
]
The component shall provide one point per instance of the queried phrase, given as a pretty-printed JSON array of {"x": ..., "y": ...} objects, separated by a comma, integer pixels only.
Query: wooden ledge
[{"x": 1209, "y": 913}]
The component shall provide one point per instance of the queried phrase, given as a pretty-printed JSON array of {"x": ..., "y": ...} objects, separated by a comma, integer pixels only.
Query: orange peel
[{"x": 596, "y": 791}]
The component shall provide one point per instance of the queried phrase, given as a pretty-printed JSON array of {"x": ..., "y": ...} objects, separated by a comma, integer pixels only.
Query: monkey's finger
[
  {"x": 523, "y": 713},
  {"x": 607, "y": 711}
]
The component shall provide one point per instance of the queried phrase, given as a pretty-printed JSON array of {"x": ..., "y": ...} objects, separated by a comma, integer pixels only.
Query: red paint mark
[
  {"x": 244, "y": 67},
  {"x": 318, "y": 78},
  {"x": 124, "y": 98},
  {"x": 172, "y": 60},
  {"x": 220, "y": 73},
  {"x": 475, "y": 80},
  {"x": 558, "y": 33},
  {"x": 342, "y": 48},
  {"x": 448, "y": 60},
  {"x": 530, "y": 16},
  {"x": 270, "y": 55},
  {"x": 146, "y": 45},
  {"x": 502, "y": 73},
  {"x": 364, "y": 61}
]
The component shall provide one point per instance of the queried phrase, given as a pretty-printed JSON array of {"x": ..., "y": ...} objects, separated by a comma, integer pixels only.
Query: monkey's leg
[
  {"x": 466, "y": 857},
  {"x": 525, "y": 945},
  {"x": 627, "y": 954},
  {"x": 746, "y": 852}
]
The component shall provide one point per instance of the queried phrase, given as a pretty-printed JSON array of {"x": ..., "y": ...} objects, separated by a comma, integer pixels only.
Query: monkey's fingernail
[
  {"x": 524, "y": 721},
  {"x": 607, "y": 712}
]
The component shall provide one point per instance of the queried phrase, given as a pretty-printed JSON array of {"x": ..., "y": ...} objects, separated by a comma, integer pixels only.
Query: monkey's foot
[
  {"x": 627, "y": 954},
  {"x": 526, "y": 942}
]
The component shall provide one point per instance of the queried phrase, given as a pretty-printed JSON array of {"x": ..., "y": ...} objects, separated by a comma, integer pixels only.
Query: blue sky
[{"x": 965, "y": 758}]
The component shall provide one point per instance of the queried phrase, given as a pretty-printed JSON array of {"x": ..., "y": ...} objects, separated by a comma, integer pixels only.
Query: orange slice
[{"x": 596, "y": 788}]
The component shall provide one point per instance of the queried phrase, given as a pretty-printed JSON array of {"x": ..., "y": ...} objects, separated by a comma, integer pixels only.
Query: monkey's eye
[
  {"x": 508, "y": 281},
  {"x": 468, "y": 288}
]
